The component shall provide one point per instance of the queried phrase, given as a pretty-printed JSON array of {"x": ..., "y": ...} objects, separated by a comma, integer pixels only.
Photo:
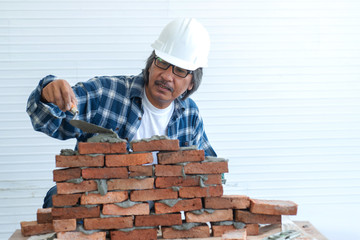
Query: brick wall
[{"x": 106, "y": 192}]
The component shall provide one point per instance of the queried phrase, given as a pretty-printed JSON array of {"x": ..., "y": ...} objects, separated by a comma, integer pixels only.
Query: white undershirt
[{"x": 154, "y": 121}]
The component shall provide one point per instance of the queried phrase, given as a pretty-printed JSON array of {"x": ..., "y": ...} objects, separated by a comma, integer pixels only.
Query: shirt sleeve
[
  {"x": 49, "y": 119},
  {"x": 201, "y": 140}
]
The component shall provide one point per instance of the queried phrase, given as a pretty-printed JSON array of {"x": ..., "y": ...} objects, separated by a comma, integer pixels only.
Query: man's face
[{"x": 164, "y": 86}]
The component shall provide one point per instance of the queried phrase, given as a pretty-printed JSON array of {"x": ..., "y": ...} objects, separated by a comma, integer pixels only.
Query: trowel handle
[{"x": 74, "y": 110}]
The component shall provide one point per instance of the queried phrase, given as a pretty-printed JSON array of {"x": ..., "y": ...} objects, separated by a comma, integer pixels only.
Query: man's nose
[{"x": 167, "y": 74}]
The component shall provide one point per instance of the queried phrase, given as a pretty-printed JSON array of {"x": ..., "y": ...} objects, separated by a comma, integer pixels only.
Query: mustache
[{"x": 164, "y": 85}]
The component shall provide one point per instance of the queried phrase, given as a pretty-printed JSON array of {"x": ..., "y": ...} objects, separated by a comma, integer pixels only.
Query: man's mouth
[{"x": 163, "y": 85}]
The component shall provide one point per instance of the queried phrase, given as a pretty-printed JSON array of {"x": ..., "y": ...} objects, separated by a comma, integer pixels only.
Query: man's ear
[{"x": 191, "y": 85}]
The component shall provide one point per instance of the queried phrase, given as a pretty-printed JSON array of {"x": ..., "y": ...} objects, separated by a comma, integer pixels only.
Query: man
[{"x": 153, "y": 103}]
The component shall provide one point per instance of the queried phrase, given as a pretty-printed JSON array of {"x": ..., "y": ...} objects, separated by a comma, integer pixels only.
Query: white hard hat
[{"x": 184, "y": 42}]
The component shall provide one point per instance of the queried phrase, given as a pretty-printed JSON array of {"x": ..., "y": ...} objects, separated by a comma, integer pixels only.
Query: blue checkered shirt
[{"x": 114, "y": 103}]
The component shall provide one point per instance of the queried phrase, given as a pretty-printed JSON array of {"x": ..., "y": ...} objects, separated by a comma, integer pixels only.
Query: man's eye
[{"x": 180, "y": 70}]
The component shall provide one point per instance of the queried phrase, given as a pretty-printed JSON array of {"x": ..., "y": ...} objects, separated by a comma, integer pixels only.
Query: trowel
[{"x": 85, "y": 126}]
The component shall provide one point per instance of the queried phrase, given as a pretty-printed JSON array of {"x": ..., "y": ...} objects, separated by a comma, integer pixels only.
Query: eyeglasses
[{"x": 180, "y": 72}]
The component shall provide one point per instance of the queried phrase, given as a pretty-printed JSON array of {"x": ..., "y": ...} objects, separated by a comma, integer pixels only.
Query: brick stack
[{"x": 106, "y": 192}]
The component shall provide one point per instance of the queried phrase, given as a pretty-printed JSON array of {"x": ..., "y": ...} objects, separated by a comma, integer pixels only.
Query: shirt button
[
  {"x": 139, "y": 118},
  {"x": 186, "y": 143}
]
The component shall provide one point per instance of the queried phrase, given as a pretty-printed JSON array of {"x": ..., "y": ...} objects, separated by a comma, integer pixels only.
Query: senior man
[{"x": 154, "y": 102}]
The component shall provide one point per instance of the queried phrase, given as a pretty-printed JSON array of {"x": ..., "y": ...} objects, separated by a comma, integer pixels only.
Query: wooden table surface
[{"x": 310, "y": 233}]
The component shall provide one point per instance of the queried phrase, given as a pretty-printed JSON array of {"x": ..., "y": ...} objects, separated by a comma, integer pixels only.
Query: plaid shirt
[{"x": 114, "y": 103}]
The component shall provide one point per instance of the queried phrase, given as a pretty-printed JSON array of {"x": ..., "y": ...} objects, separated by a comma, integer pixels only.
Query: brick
[
  {"x": 195, "y": 232},
  {"x": 156, "y": 145},
  {"x": 239, "y": 234},
  {"x": 193, "y": 192},
  {"x": 213, "y": 179},
  {"x": 60, "y": 175},
  {"x": 248, "y": 217},
  {"x": 158, "y": 220},
  {"x": 228, "y": 201},
  {"x": 105, "y": 173},
  {"x": 43, "y": 215},
  {"x": 61, "y": 200},
  {"x": 75, "y": 212},
  {"x": 109, "y": 197},
  {"x": 252, "y": 229},
  {"x": 108, "y": 223},
  {"x": 81, "y": 236},
  {"x": 69, "y": 188},
  {"x": 182, "y": 205},
  {"x": 273, "y": 207},
  {"x": 206, "y": 168},
  {"x": 187, "y": 181},
  {"x": 181, "y": 156},
  {"x": 29, "y": 228},
  {"x": 79, "y": 161},
  {"x": 168, "y": 170},
  {"x": 219, "y": 230},
  {"x": 136, "y": 171},
  {"x": 138, "y": 234},
  {"x": 137, "y": 209},
  {"x": 153, "y": 194},
  {"x": 130, "y": 184},
  {"x": 216, "y": 216},
  {"x": 133, "y": 159},
  {"x": 64, "y": 225},
  {"x": 102, "y": 147}
]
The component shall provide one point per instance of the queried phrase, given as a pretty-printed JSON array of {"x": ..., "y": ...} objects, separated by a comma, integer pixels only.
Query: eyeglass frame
[{"x": 173, "y": 67}]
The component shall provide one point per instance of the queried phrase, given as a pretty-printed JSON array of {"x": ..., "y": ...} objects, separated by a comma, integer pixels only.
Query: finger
[{"x": 66, "y": 96}]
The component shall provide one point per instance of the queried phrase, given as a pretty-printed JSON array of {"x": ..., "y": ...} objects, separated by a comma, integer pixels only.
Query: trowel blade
[{"x": 89, "y": 127}]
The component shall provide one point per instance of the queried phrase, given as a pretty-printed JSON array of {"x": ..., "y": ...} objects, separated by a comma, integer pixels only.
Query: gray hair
[{"x": 196, "y": 76}]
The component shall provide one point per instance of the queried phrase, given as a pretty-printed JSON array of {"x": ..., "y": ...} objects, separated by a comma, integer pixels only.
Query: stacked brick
[{"x": 105, "y": 192}]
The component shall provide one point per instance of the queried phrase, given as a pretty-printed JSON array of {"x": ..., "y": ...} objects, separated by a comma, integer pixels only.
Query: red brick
[
  {"x": 248, "y": 217},
  {"x": 181, "y": 156},
  {"x": 239, "y": 234},
  {"x": 121, "y": 160},
  {"x": 181, "y": 205},
  {"x": 252, "y": 229},
  {"x": 64, "y": 225},
  {"x": 60, "y": 175},
  {"x": 158, "y": 220},
  {"x": 61, "y": 200},
  {"x": 136, "y": 171},
  {"x": 105, "y": 173},
  {"x": 29, "y": 228},
  {"x": 206, "y": 168},
  {"x": 153, "y": 194},
  {"x": 69, "y": 188},
  {"x": 213, "y": 179},
  {"x": 228, "y": 201},
  {"x": 193, "y": 192},
  {"x": 79, "y": 161},
  {"x": 216, "y": 216},
  {"x": 187, "y": 181},
  {"x": 138, "y": 234},
  {"x": 130, "y": 184},
  {"x": 110, "y": 197},
  {"x": 108, "y": 223},
  {"x": 156, "y": 145},
  {"x": 75, "y": 212},
  {"x": 195, "y": 232},
  {"x": 273, "y": 207},
  {"x": 102, "y": 147},
  {"x": 219, "y": 230},
  {"x": 168, "y": 170},
  {"x": 137, "y": 209},
  {"x": 43, "y": 215},
  {"x": 81, "y": 236}
]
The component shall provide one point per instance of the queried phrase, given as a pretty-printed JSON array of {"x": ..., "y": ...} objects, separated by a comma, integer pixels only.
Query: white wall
[{"x": 280, "y": 98}]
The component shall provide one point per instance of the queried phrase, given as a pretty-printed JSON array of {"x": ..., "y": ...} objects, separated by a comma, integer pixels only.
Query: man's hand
[{"x": 60, "y": 93}]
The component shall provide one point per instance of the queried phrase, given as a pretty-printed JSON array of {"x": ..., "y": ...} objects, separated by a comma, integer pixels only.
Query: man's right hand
[{"x": 60, "y": 93}]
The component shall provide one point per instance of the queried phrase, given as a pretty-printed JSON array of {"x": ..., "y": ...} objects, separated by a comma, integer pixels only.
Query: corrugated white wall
[{"x": 280, "y": 98}]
